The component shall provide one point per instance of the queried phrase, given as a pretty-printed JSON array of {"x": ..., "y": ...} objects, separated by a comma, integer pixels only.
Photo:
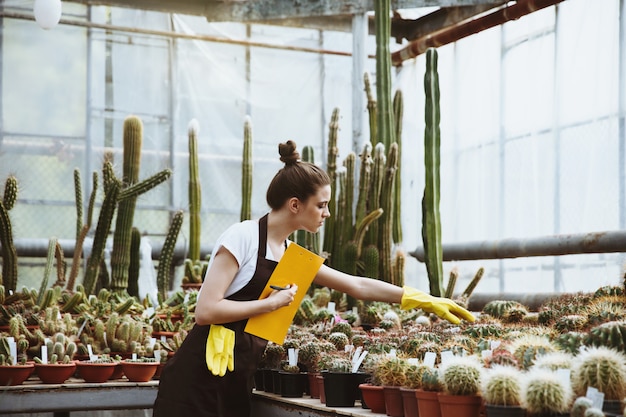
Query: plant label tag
[
  {"x": 494, "y": 344},
  {"x": 429, "y": 359},
  {"x": 486, "y": 354},
  {"x": 564, "y": 376},
  {"x": 44, "y": 354},
  {"x": 331, "y": 306}
]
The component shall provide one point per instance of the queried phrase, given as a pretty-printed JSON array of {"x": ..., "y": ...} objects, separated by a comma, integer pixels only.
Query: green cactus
[
  {"x": 398, "y": 107},
  {"x": 502, "y": 385},
  {"x": 431, "y": 219},
  {"x": 9, "y": 254},
  {"x": 82, "y": 229},
  {"x": 386, "y": 221},
  {"x": 120, "y": 255},
  {"x": 602, "y": 368},
  {"x": 105, "y": 218},
  {"x": 194, "y": 192},
  {"x": 611, "y": 334},
  {"x": 331, "y": 169},
  {"x": 384, "y": 111},
  {"x": 134, "y": 265},
  {"x": 246, "y": 172},
  {"x": 462, "y": 376},
  {"x": 391, "y": 371},
  {"x": 371, "y": 109},
  {"x": 546, "y": 394},
  {"x": 167, "y": 254},
  {"x": 365, "y": 176},
  {"x": 374, "y": 197}
]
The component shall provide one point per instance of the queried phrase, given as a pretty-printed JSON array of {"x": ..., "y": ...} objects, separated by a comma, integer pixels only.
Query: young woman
[{"x": 211, "y": 375}]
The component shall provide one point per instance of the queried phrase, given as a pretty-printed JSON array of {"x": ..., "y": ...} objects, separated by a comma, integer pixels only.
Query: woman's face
[{"x": 315, "y": 210}]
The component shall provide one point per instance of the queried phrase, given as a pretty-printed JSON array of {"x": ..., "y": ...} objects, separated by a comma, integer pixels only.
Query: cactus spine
[
  {"x": 167, "y": 254},
  {"x": 195, "y": 193},
  {"x": 9, "y": 254},
  {"x": 431, "y": 221},
  {"x": 246, "y": 172}
]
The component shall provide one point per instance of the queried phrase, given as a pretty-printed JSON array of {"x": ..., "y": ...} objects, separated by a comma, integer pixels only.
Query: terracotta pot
[
  {"x": 409, "y": 402},
  {"x": 118, "y": 372},
  {"x": 314, "y": 388},
  {"x": 374, "y": 396},
  {"x": 15, "y": 374},
  {"x": 159, "y": 369},
  {"x": 95, "y": 371},
  {"x": 428, "y": 403},
  {"x": 320, "y": 387},
  {"x": 460, "y": 405},
  {"x": 139, "y": 371},
  {"x": 55, "y": 373},
  {"x": 393, "y": 401}
]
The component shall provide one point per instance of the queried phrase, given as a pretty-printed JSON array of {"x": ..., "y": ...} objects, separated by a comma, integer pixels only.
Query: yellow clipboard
[{"x": 297, "y": 266}]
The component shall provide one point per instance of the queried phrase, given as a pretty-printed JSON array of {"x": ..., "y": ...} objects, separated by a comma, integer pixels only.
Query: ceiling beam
[{"x": 263, "y": 10}]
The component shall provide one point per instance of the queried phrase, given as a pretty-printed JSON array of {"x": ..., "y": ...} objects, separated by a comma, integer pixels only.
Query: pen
[{"x": 278, "y": 288}]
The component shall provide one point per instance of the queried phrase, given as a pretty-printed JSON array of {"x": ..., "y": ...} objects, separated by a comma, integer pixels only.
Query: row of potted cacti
[{"x": 510, "y": 356}]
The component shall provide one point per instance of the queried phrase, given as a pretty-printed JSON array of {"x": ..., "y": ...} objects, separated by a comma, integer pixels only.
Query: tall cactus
[
  {"x": 386, "y": 221},
  {"x": 195, "y": 192},
  {"x": 246, "y": 171},
  {"x": 378, "y": 172},
  {"x": 105, "y": 218},
  {"x": 308, "y": 240},
  {"x": 81, "y": 229},
  {"x": 398, "y": 108},
  {"x": 365, "y": 177},
  {"x": 331, "y": 169},
  {"x": 371, "y": 109},
  {"x": 9, "y": 254},
  {"x": 131, "y": 187},
  {"x": 167, "y": 255},
  {"x": 431, "y": 220},
  {"x": 384, "y": 112},
  {"x": 120, "y": 255}
]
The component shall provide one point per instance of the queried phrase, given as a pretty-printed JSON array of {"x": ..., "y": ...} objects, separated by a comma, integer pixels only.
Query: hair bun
[{"x": 288, "y": 153}]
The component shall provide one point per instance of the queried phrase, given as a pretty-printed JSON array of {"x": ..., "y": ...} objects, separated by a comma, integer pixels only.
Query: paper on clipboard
[{"x": 297, "y": 266}]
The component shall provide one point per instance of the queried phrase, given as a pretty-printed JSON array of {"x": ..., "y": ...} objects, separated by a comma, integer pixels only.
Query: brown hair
[{"x": 296, "y": 179}]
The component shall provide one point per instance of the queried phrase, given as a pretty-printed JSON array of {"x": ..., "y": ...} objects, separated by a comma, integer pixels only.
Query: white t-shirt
[{"x": 242, "y": 241}]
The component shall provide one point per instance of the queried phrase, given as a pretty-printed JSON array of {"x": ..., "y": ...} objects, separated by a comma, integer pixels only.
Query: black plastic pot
[{"x": 291, "y": 384}]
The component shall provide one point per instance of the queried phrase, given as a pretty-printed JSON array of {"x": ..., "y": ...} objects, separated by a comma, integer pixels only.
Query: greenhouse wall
[{"x": 532, "y": 125}]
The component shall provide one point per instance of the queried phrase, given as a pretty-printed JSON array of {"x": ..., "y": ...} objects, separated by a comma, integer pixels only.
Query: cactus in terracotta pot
[
  {"x": 602, "y": 368},
  {"x": 462, "y": 376},
  {"x": 546, "y": 394},
  {"x": 502, "y": 385}
]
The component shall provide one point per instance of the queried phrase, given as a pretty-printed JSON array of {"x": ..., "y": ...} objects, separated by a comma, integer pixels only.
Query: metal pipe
[
  {"x": 38, "y": 248},
  {"x": 568, "y": 244},
  {"x": 531, "y": 301},
  {"x": 464, "y": 29}
]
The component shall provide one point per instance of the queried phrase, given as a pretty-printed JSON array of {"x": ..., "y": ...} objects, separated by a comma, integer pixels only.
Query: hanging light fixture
[{"x": 47, "y": 13}]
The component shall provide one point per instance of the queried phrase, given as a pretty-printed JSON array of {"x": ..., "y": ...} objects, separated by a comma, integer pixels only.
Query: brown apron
[{"x": 187, "y": 388}]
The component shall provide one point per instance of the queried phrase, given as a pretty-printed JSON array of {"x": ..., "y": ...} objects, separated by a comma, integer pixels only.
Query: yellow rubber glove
[
  {"x": 443, "y": 307},
  {"x": 220, "y": 345}
]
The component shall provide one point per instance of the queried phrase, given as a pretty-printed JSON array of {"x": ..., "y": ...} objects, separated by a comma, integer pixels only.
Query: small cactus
[
  {"x": 462, "y": 376},
  {"x": 545, "y": 393},
  {"x": 602, "y": 368},
  {"x": 502, "y": 386},
  {"x": 581, "y": 404}
]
